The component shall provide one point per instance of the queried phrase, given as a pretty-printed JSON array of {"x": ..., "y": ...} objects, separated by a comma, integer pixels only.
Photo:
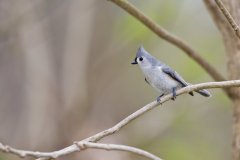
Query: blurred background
[{"x": 65, "y": 74}]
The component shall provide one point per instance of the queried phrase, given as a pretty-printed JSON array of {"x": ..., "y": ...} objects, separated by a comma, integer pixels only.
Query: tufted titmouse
[{"x": 160, "y": 76}]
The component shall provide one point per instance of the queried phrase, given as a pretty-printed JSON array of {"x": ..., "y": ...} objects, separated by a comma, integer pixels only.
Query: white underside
[{"x": 159, "y": 80}]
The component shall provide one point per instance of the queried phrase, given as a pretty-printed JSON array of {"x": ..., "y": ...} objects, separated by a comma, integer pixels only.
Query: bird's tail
[{"x": 204, "y": 93}]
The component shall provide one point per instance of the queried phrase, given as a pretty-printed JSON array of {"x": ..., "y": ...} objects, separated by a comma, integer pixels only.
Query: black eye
[{"x": 140, "y": 59}]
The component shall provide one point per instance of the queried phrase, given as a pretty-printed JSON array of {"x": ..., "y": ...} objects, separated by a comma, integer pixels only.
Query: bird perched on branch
[{"x": 160, "y": 76}]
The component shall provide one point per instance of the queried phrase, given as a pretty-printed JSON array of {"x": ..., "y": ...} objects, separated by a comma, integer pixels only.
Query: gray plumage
[{"x": 160, "y": 76}]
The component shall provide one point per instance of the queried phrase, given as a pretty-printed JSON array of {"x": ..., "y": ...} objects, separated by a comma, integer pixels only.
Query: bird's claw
[
  {"x": 173, "y": 98},
  {"x": 174, "y": 94},
  {"x": 159, "y": 98}
]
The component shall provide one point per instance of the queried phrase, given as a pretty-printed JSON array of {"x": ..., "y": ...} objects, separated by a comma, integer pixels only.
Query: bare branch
[
  {"x": 228, "y": 17},
  {"x": 213, "y": 9},
  {"x": 218, "y": 18},
  {"x": 81, "y": 145},
  {"x": 118, "y": 147},
  {"x": 162, "y": 33},
  {"x": 76, "y": 148},
  {"x": 25, "y": 153}
]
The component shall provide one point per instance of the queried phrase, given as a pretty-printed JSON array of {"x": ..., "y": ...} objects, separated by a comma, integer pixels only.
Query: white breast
[{"x": 159, "y": 80}]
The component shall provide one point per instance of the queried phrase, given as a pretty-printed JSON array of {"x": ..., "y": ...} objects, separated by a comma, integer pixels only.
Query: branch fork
[{"x": 91, "y": 142}]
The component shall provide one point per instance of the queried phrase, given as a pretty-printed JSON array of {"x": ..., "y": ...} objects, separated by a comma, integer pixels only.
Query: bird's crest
[{"x": 143, "y": 53}]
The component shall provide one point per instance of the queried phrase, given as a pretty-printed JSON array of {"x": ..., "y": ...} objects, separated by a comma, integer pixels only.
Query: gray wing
[{"x": 173, "y": 74}]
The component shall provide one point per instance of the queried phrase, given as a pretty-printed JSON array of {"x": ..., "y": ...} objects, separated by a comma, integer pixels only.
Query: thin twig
[
  {"x": 164, "y": 34},
  {"x": 75, "y": 148},
  {"x": 82, "y": 145},
  {"x": 216, "y": 15},
  {"x": 117, "y": 147},
  {"x": 150, "y": 106},
  {"x": 228, "y": 17}
]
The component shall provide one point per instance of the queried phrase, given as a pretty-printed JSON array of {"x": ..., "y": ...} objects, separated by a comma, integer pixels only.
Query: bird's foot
[
  {"x": 191, "y": 93},
  {"x": 159, "y": 98},
  {"x": 174, "y": 94}
]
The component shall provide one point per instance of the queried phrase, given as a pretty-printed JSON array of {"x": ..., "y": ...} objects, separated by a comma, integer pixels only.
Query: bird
[{"x": 160, "y": 76}]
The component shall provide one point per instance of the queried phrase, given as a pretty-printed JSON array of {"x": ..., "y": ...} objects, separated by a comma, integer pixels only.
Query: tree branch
[
  {"x": 118, "y": 147},
  {"x": 228, "y": 17},
  {"x": 162, "y": 33},
  {"x": 213, "y": 9},
  {"x": 222, "y": 24},
  {"x": 82, "y": 145},
  {"x": 75, "y": 147}
]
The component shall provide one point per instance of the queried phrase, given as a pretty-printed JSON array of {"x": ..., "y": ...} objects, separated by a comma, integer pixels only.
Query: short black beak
[{"x": 135, "y": 61}]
